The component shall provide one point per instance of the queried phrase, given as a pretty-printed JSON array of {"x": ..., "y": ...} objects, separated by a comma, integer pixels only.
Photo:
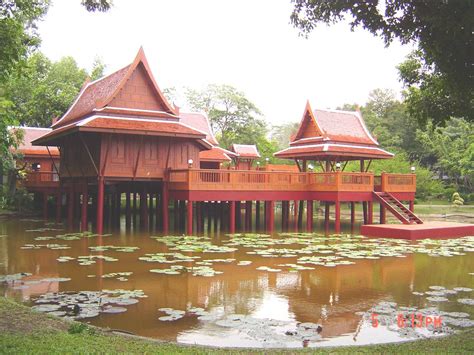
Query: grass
[{"x": 24, "y": 331}]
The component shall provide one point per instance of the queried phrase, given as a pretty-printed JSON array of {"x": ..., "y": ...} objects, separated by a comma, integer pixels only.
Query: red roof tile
[
  {"x": 314, "y": 151},
  {"x": 216, "y": 154},
  {"x": 199, "y": 121},
  {"x": 30, "y": 134},
  {"x": 99, "y": 123},
  {"x": 100, "y": 93},
  {"x": 246, "y": 150}
]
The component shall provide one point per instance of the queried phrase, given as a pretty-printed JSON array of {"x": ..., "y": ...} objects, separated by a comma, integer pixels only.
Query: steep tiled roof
[
  {"x": 330, "y": 134},
  {"x": 30, "y": 134},
  {"x": 102, "y": 92},
  {"x": 216, "y": 154},
  {"x": 130, "y": 125},
  {"x": 200, "y": 122},
  {"x": 246, "y": 150}
]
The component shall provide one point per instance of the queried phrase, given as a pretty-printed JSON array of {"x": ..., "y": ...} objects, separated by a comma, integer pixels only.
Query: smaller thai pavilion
[
  {"x": 331, "y": 137},
  {"x": 244, "y": 155}
]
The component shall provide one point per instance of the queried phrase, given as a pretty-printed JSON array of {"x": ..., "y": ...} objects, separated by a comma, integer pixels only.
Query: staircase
[{"x": 397, "y": 208}]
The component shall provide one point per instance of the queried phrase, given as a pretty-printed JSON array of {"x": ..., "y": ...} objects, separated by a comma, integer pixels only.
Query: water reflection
[{"x": 329, "y": 296}]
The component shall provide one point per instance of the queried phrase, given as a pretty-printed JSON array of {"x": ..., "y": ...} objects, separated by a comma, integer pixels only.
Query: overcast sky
[{"x": 248, "y": 44}]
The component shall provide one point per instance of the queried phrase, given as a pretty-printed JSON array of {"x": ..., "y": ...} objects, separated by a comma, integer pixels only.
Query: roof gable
[
  {"x": 130, "y": 87},
  {"x": 308, "y": 128},
  {"x": 199, "y": 121},
  {"x": 248, "y": 151}
]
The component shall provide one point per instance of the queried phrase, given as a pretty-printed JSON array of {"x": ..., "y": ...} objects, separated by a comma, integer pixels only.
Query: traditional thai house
[{"x": 121, "y": 136}]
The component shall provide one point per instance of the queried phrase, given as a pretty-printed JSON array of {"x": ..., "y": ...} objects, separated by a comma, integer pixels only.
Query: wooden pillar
[
  {"x": 337, "y": 226},
  {"x": 352, "y": 214},
  {"x": 198, "y": 217},
  {"x": 257, "y": 215},
  {"x": 412, "y": 206},
  {"x": 215, "y": 215},
  {"x": 59, "y": 197},
  {"x": 150, "y": 210},
  {"x": 364, "y": 212},
  {"x": 271, "y": 216},
  {"x": 164, "y": 207},
  {"x": 189, "y": 218},
  {"x": 128, "y": 217},
  {"x": 70, "y": 208},
  {"x": 383, "y": 218},
  {"x": 143, "y": 211},
  {"x": 85, "y": 203},
  {"x": 100, "y": 205},
  {"x": 134, "y": 208},
  {"x": 157, "y": 211},
  {"x": 45, "y": 206},
  {"x": 248, "y": 216},
  {"x": 370, "y": 212},
  {"x": 238, "y": 216},
  {"x": 232, "y": 217},
  {"x": 326, "y": 216},
  {"x": 295, "y": 215},
  {"x": 309, "y": 216},
  {"x": 300, "y": 215}
]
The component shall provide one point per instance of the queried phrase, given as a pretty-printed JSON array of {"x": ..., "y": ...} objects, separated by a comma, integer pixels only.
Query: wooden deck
[
  {"x": 41, "y": 180},
  {"x": 433, "y": 230},
  {"x": 245, "y": 180}
]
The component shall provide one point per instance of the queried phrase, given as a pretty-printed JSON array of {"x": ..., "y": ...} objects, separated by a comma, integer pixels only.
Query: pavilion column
[
  {"x": 143, "y": 211},
  {"x": 85, "y": 203},
  {"x": 100, "y": 205},
  {"x": 412, "y": 206},
  {"x": 370, "y": 212},
  {"x": 300, "y": 214},
  {"x": 309, "y": 215},
  {"x": 164, "y": 207},
  {"x": 150, "y": 210},
  {"x": 257, "y": 215},
  {"x": 364, "y": 211},
  {"x": 128, "y": 217},
  {"x": 134, "y": 209},
  {"x": 270, "y": 220},
  {"x": 198, "y": 217},
  {"x": 157, "y": 211},
  {"x": 337, "y": 225},
  {"x": 383, "y": 218},
  {"x": 45, "y": 206},
  {"x": 238, "y": 216},
  {"x": 189, "y": 206},
  {"x": 295, "y": 215},
  {"x": 352, "y": 216},
  {"x": 215, "y": 214},
  {"x": 232, "y": 217}
]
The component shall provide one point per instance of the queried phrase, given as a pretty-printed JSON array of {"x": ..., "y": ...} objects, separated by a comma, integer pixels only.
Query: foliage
[
  {"x": 20, "y": 200},
  {"x": 233, "y": 117},
  {"x": 97, "y": 5},
  {"x": 282, "y": 134},
  {"x": 442, "y": 31},
  {"x": 44, "y": 89},
  {"x": 457, "y": 200},
  {"x": 78, "y": 328},
  {"x": 453, "y": 148}
]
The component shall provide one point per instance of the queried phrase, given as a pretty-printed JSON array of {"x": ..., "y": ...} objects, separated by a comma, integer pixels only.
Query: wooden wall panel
[{"x": 75, "y": 161}]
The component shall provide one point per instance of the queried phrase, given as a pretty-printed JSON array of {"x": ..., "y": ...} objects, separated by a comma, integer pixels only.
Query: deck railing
[
  {"x": 244, "y": 180},
  {"x": 41, "y": 179},
  {"x": 398, "y": 182}
]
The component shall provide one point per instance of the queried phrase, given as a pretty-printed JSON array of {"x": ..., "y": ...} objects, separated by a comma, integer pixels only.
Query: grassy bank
[{"x": 24, "y": 331}]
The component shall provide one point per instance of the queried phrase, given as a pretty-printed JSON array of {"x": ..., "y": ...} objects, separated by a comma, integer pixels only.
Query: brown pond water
[{"x": 271, "y": 303}]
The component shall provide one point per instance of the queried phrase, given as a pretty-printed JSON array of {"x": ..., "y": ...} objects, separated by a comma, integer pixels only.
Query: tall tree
[
  {"x": 44, "y": 90},
  {"x": 234, "y": 118},
  {"x": 442, "y": 30}
]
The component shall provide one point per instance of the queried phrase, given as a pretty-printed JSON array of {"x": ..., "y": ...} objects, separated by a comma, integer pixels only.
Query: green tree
[
  {"x": 44, "y": 90},
  {"x": 233, "y": 117},
  {"x": 282, "y": 134},
  {"x": 442, "y": 68}
]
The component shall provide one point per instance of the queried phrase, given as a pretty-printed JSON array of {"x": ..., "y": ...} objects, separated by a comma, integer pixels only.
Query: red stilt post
[
  {"x": 85, "y": 203},
  {"x": 326, "y": 216},
  {"x": 337, "y": 225},
  {"x": 412, "y": 206},
  {"x": 370, "y": 211},
  {"x": 257, "y": 215},
  {"x": 198, "y": 217},
  {"x": 271, "y": 217},
  {"x": 309, "y": 215},
  {"x": 383, "y": 219},
  {"x": 100, "y": 205},
  {"x": 248, "y": 216},
  {"x": 128, "y": 217},
  {"x": 238, "y": 216},
  {"x": 295, "y": 215},
  {"x": 164, "y": 206},
  {"x": 190, "y": 217},
  {"x": 232, "y": 217},
  {"x": 58, "y": 206},
  {"x": 45, "y": 205},
  {"x": 70, "y": 208},
  {"x": 352, "y": 214},
  {"x": 157, "y": 210}
]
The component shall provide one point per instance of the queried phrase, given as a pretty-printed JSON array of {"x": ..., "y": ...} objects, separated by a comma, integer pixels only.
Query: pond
[{"x": 284, "y": 290}]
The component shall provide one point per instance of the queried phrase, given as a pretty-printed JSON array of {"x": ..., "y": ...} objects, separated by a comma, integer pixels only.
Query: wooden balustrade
[
  {"x": 41, "y": 179},
  {"x": 398, "y": 182}
]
